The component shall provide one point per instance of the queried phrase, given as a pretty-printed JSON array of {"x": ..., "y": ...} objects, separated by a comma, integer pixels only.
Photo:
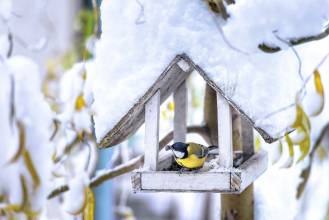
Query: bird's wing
[{"x": 199, "y": 150}]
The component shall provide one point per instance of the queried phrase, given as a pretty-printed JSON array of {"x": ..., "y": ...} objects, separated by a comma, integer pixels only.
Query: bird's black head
[{"x": 179, "y": 149}]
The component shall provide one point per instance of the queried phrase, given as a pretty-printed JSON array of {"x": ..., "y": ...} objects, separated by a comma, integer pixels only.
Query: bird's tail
[{"x": 212, "y": 148}]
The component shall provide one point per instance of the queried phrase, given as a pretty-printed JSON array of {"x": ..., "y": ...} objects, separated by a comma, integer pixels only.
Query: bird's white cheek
[{"x": 179, "y": 154}]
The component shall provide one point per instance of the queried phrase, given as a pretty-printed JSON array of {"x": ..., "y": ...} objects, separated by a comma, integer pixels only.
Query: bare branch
[
  {"x": 218, "y": 7},
  {"x": 11, "y": 44},
  {"x": 131, "y": 164},
  {"x": 117, "y": 171},
  {"x": 58, "y": 191},
  {"x": 141, "y": 17}
]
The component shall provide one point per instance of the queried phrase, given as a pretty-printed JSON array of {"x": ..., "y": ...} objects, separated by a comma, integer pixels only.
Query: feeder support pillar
[{"x": 152, "y": 113}]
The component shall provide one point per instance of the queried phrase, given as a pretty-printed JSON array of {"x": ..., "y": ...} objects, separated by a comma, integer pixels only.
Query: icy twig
[
  {"x": 11, "y": 44},
  {"x": 140, "y": 19},
  {"x": 96, "y": 12},
  {"x": 219, "y": 27},
  {"x": 294, "y": 51}
]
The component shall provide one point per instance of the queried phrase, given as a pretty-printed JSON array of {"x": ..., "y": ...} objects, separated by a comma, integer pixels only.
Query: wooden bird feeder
[{"x": 154, "y": 176}]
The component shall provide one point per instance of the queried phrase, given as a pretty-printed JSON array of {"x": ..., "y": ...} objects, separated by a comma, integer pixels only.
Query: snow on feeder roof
[{"x": 140, "y": 40}]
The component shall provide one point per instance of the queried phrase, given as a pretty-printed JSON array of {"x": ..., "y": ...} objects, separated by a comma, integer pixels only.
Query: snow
[
  {"x": 131, "y": 55},
  {"x": 75, "y": 198},
  {"x": 275, "y": 194},
  {"x": 256, "y": 21},
  {"x": 27, "y": 84},
  {"x": 5, "y": 9},
  {"x": 4, "y": 46}
]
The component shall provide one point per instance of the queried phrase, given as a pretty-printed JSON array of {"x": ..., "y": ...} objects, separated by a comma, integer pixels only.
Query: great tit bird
[{"x": 190, "y": 155}]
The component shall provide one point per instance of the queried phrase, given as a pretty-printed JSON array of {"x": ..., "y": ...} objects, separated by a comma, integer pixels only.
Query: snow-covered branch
[{"x": 294, "y": 41}]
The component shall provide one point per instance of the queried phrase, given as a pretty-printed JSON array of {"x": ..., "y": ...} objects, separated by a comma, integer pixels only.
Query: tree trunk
[{"x": 233, "y": 207}]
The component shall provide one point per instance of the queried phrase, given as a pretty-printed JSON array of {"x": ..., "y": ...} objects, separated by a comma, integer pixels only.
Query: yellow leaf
[
  {"x": 164, "y": 114},
  {"x": 2, "y": 198},
  {"x": 21, "y": 145},
  {"x": 171, "y": 106},
  {"x": 31, "y": 168},
  {"x": 12, "y": 208},
  {"x": 80, "y": 103},
  {"x": 84, "y": 76},
  {"x": 257, "y": 144},
  {"x": 290, "y": 146},
  {"x": 318, "y": 82},
  {"x": 88, "y": 213},
  {"x": 54, "y": 156},
  {"x": 303, "y": 125},
  {"x": 304, "y": 147},
  {"x": 291, "y": 152},
  {"x": 319, "y": 89},
  {"x": 25, "y": 193},
  {"x": 322, "y": 153},
  {"x": 302, "y": 119}
]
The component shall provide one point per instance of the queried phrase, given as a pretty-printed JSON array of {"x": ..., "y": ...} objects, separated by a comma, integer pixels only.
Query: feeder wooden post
[
  {"x": 180, "y": 120},
  {"x": 240, "y": 207},
  {"x": 247, "y": 138},
  {"x": 224, "y": 118},
  {"x": 152, "y": 112}
]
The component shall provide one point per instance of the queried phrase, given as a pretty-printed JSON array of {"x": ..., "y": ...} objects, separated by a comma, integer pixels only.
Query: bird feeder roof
[{"x": 140, "y": 40}]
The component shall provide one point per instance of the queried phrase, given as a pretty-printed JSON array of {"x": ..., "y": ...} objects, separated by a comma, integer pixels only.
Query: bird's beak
[{"x": 168, "y": 147}]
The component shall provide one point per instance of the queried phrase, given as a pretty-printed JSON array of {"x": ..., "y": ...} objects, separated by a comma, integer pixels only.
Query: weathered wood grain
[
  {"x": 177, "y": 71},
  {"x": 152, "y": 120},
  {"x": 224, "y": 119},
  {"x": 247, "y": 138},
  {"x": 253, "y": 168},
  {"x": 268, "y": 138},
  {"x": 180, "y": 116},
  {"x": 180, "y": 182},
  {"x": 221, "y": 180},
  {"x": 167, "y": 83}
]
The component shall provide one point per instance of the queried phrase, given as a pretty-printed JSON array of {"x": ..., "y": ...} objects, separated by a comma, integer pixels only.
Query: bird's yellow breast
[{"x": 191, "y": 162}]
